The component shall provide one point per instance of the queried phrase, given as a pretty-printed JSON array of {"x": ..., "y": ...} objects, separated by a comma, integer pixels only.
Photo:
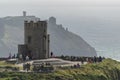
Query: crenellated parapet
[{"x": 35, "y": 25}]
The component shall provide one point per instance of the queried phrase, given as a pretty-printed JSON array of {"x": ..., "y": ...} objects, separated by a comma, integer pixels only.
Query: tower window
[
  {"x": 29, "y": 39},
  {"x": 45, "y": 24},
  {"x": 44, "y": 37},
  {"x": 41, "y": 24},
  {"x": 44, "y": 30}
]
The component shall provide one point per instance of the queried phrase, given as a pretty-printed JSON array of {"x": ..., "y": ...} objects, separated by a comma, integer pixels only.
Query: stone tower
[
  {"x": 52, "y": 20},
  {"x": 24, "y": 13},
  {"x": 36, "y": 40}
]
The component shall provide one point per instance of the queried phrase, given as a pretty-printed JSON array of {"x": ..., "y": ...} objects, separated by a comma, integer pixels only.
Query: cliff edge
[{"x": 62, "y": 41}]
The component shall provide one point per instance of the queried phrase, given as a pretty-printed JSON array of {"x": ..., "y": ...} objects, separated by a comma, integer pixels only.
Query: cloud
[{"x": 61, "y": 3}]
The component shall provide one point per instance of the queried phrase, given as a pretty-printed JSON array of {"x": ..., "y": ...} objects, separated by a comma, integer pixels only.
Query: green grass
[
  {"x": 107, "y": 70},
  {"x": 3, "y": 63},
  {"x": 6, "y": 64}
]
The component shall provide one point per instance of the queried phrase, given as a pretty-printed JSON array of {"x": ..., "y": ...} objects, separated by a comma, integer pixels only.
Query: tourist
[
  {"x": 95, "y": 59},
  {"x": 27, "y": 58},
  {"x": 100, "y": 59},
  {"x": 24, "y": 66}
]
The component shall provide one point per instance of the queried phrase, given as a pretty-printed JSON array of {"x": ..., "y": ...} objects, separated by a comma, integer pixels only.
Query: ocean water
[
  {"x": 106, "y": 43},
  {"x": 107, "y": 46}
]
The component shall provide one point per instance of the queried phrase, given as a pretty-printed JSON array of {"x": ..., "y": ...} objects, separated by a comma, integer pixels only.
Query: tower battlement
[
  {"x": 35, "y": 24},
  {"x": 24, "y": 13},
  {"x": 35, "y": 21}
]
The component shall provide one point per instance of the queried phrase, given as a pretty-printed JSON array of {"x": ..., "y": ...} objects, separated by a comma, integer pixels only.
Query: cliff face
[
  {"x": 62, "y": 41},
  {"x": 65, "y": 42}
]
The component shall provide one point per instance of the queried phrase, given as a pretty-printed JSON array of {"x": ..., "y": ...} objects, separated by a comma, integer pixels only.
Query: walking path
[{"x": 54, "y": 62}]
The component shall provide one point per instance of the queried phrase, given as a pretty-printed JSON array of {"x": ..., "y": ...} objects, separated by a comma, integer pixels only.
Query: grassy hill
[{"x": 107, "y": 70}]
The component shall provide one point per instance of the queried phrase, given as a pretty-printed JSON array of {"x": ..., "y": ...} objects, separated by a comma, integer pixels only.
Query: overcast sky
[
  {"x": 68, "y": 12},
  {"x": 49, "y": 7},
  {"x": 62, "y": 2}
]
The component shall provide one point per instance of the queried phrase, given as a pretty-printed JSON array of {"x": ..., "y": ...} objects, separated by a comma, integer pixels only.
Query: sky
[
  {"x": 9, "y": 5},
  {"x": 62, "y": 2},
  {"x": 71, "y": 13},
  {"x": 68, "y": 12},
  {"x": 56, "y": 7}
]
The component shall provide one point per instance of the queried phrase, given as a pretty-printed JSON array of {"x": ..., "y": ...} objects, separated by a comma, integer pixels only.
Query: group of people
[
  {"x": 76, "y": 66},
  {"x": 26, "y": 66},
  {"x": 82, "y": 59},
  {"x": 44, "y": 67}
]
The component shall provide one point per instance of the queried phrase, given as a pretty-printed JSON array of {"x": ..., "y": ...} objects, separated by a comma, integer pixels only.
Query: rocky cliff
[{"x": 62, "y": 41}]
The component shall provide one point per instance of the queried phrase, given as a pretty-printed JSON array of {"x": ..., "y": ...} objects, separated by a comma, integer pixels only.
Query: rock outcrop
[{"x": 62, "y": 41}]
